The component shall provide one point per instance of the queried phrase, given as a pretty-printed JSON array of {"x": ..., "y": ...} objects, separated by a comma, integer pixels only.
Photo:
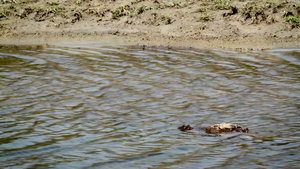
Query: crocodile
[{"x": 217, "y": 128}]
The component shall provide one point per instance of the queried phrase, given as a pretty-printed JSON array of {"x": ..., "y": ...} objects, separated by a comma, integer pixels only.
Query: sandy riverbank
[{"x": 235, "y": 24}]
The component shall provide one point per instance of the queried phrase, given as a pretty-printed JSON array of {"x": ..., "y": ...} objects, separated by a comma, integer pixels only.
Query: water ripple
[{"x": 98, "y": 106}]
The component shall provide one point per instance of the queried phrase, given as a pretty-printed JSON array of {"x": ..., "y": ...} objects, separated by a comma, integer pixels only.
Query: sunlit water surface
[{"x": 93, "y": 106}]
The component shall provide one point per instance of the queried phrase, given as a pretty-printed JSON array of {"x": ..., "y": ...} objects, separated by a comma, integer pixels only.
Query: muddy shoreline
[{"x": 234, "y": 25}]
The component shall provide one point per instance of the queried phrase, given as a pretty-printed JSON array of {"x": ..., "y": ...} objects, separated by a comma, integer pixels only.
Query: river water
[{"x": 96, "y": 106}]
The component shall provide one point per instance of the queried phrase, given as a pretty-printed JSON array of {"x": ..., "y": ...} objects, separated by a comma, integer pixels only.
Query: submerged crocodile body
[{"x": 217, "y": 128}]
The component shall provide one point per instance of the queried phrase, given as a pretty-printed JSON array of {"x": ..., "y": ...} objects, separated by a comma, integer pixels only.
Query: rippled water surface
[{"x": 93, "y": 106}]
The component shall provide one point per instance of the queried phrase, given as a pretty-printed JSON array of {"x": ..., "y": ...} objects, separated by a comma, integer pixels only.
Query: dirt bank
[{"x": 231, "y": 24}]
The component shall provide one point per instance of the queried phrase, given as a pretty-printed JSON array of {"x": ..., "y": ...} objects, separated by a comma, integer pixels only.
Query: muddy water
[{"x": 92, "y": 106}]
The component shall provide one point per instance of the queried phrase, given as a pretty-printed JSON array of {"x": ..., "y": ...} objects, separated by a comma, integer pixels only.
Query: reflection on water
[{"x": 109, "y": 107}]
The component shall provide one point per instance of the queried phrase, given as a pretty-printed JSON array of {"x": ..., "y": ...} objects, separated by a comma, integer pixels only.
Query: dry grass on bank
[{"x": 225, "y": 20}]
